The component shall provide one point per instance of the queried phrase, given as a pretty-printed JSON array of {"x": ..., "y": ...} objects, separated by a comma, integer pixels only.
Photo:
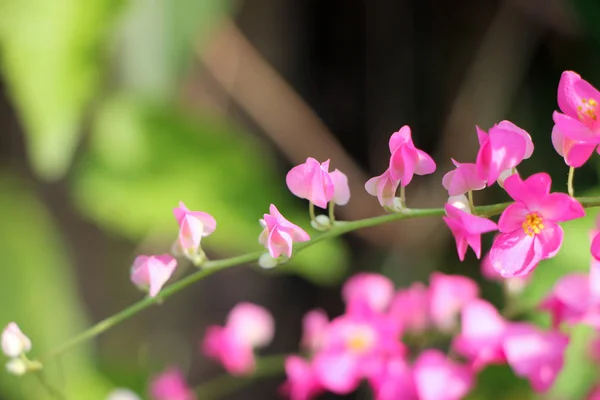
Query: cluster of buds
[{"x": 15, "y": 345}]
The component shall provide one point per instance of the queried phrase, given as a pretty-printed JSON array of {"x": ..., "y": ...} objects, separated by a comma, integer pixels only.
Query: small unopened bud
[
  {"x": 321, "y": 223},
  {"x": 266, "y": 261},
  {"x": 16, "y": 366},
  {"x": 122, "y": 394},
  {"x": 515, "y": 286},
  {"x": 461, "y": 202},
  {"x": 505, "y": 174},
  {"x": 397, "y": 205},
  {"x": 14, "y": 342}
]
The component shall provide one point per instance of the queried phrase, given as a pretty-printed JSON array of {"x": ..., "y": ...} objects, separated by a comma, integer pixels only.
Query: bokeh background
[{"x": 112, "y": 111}]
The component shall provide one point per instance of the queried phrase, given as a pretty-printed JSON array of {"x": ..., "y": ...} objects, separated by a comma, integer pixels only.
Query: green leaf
[
  {"x": 52, "y": 59},
  {"x": 145, "y": 158},
  {"x": 38, "y": 292}
]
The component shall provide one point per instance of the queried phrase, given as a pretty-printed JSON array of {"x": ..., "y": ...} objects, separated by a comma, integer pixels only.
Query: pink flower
[
  {"x": 193, "y": 226},
  {"x": 529, "y": 229},
  {"x": 502, "y": 149},
  {"x": 384, "y": 187},
  {"x": 482, "y": 333},
  {"x": 534, "y": 354},
  {"x": 467, "y": 229},
  {"x": 302, "y": 382},
  {"x": 578, "y": 100},
  {"x": 14, "y": 342},
  {"x": 341, "y": 191},
  {"x": 312, "y": 181},
  {"x": 374, "y": 290},
  {"x": 394, "y": 382},
  {"x": 279, "y": 234},
  {"x": 354, "y": 348},
  {"x": 171, "y": 385},
  {"x": 438, "y": 378},
  {"x": 463, "y": 179},
  {"x": 248, "y": 327},
  {"x": 575, "y": 152},
  {"x": 406, "y": 159},
  {"x": 595, "y": 247},
  {"x": 411, "y": 308},
  {"x": 314, "y": 326},
  {"x": 150, "y": 273},
  {"x": 447, "y": 296},
  {"x": 569, "y": 299},
  {"x": 594, "y": 393}
]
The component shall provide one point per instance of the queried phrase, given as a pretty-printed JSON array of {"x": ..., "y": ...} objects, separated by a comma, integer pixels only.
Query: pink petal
[
  {"x": 438, "y": 378},
  {"x": 507, "y": 151},
  {"x": 171, "y": 385},
  {"x": 568, "y": 100},
  {"x": 403, "y": 163},
  {"x": 400, "y": 138},
  {"x": 314, "y": 326},
  {"x": 341, "y": 191},
  {"x": 462, "y": 180},
  {"x": 373, "y": 289},
  {"x": 337, "y": 372},
  {"x": 302, "y": 382},
  {"x": 575, "y": 129},
  {"x": 384, "y": 187},
  {"x": 560, "y": 207},
  {"x": 425, "y": 164},
  {"x": 513, "y": 217},
  {"x": 410, "y": 307},
  {"x": 459, "y": 236},
  {"x": 224, "y": 346},
  {"x": 482, "y": 136},
  {"x": 279, "y": 242},
  {"x": 252, "y": 324},
  {"x": 575, "y": 153},
  {"x": 550, "y": 239},
  {"x": 515, "y": 253},
  {"x": 447, "y": 296},
  {"x": 312, "y": 182},
  {"x": 530, "y": 191},
  {"x": 507, "y": 125}
]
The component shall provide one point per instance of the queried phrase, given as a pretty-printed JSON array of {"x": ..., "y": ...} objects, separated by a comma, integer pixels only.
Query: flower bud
[
  {"x": 267, "y": 262},
  {"x": 122, "y": 394},
  {"x": 321, "y": 223},
  {"x": 16, "y": 366},
  {"x": 461, "y": 202},
  {"x": 14, "y": 342}
]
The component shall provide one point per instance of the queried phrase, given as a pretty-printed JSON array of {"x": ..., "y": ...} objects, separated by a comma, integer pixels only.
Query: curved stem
[
  {"x": 267, "y": 366},
  {"x": 331, "y": 212},
  {"x": 570, "y": 182},
  {"x": 311, "y": 210},
  {"x": 403, "y": 196},
  {"x": 210, "y": 267}
]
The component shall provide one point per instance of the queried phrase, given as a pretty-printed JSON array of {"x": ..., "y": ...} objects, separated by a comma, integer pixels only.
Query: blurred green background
[{"x": 113, "y": 111}]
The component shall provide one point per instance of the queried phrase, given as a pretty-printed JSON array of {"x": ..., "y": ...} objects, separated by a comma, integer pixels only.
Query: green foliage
[
  {"x": 37, "y": 291},
  {"x": 145, "y": 158},
  {"x": 51, "y": 57}
]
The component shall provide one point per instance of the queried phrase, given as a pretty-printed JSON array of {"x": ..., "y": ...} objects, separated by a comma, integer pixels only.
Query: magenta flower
[
  {"x": 467, "y": 229},
  {"x": 578, "y": 100},
  {"x": 447, "y": 296},
  {"x": 373, "y": 290},
  {"x": 171, "y": 385},
  {"x": 14, "y": 342},
  {"x": 384, "y": 187},
  {"x": 529, "y": 229},
  {"x": 193, "y": 226},
  {"x": 279, "y": 234},
  {"x": 406, "y": 159},
  {"x": 594, "y": 394},
  {"x": 341, "y": 190},
  {"x": 463, "y": 179},
  {"x": 395, "y": 381},
  {"x": 575, "y": 152},
  {"x": 248, "y": 327},
  {"x": 312, "y": 181},
  {"x": 314, "y": 327},
  {"x": 410, "y": 307},
  {"x": 150, "y": 273},
  {"x": 503, "y": 148},
  {"x": 302, "y": 382},
  {"x": 482, "y": 334},
  {"x": 569, "y": 300},
  {"x": 534, "y": 354},
  {"x": 438, "y": 378}
]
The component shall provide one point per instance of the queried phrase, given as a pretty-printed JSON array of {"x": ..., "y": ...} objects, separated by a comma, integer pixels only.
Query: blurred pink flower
[
  {"x": 578, "y": 100},
  {"x": 406, "y": 160},
  {"x": 503, "y": 148},
  {"x": 467, "y": 229},
  {"x": 482, "y": 333},
  {"x": 384, "y": 187},
  {"x": 569, "y": 299},
  {"x": 529, "y": 229},
  {"x": 395, "y": 381},
  {"x": 535, "y": 354},
  {"x": 463, "y": 179},
  {"x": 150, "y": 273},
  {"x": 14, "y": 342},
  {"x": 594, "y": 394},
  {"x": 302, "y": 382},
  {"x": 248, "y": 327},
  {"x": 171, "y": 385},
  {"x": 314, "y": 327},
  {"x": 279, "y": 234},
  {"x": 374, "y": 290},
  {"x": 438, "y": 378},
  {"x": 514, "y": 285},
  {"x": 193, "y": 226},
  {"x": 410, "y": 307},
  {"x": 312, "y": 181},
  {"x": 447, "y": 296},
  {"x": 341, "y": 191}
]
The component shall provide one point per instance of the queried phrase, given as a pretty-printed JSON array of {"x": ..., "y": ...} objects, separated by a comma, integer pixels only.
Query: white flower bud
[
  {"x": 122, "y": 394},
  {"x": 321, "y": 223},
  {"x": 267, "y": 262},
  {"x": 505, "y": 174},
  {"x": 461, "y": 202},
  {"x": 14, "y": 342},
  {"x": 16, "y": 366}
]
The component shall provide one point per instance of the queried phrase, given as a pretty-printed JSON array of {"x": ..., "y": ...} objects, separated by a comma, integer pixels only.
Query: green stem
[
  {"x": 268, "y": 366},
  {"x": 331, "y": 212},
  {"x": 403, "y": 196},
  {"x": 311, "y": 210},
  {"x": 471, "y": 203},
  {"x": 51, "y": 389},
  {"x": 211, "y": 267},
  {"x": 570, "y": 182}
]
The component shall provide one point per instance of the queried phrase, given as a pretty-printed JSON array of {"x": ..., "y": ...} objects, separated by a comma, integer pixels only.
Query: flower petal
[
  {"x": 575, "y": 129},
  {"x": 550, "y": 239},
  {"x": 512, "y": 218},
  {"x": 515, "y": 253}
]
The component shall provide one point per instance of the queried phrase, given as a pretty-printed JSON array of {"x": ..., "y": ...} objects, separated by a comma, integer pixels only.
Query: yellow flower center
[
  {"x": 533, "y": 224},
  {"x": 360, "y": 340},
  {"x": 587, "y": 109}
]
